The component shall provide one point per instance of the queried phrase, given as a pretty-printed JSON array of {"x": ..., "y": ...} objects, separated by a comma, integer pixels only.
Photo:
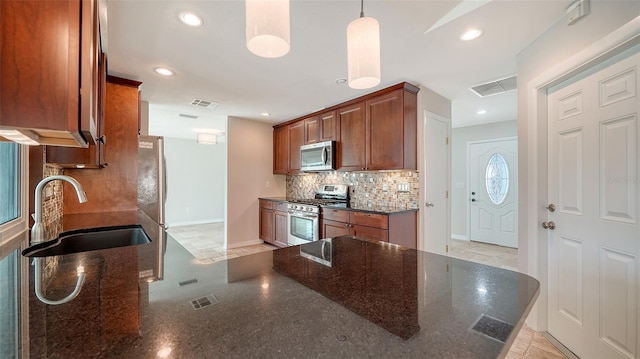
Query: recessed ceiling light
[
  {"x": 190, "y": 19},
  {"x": 481, "y": 112},
  {"x": 266, "y": 114},
  {"x": 341, "y": 81},
  {"x": 471, "y": 34},
  {"x": 163, "y": 71}
]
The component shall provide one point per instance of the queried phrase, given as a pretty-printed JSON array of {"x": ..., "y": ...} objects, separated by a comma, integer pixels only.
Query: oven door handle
[{"x": 309, "y": 216}]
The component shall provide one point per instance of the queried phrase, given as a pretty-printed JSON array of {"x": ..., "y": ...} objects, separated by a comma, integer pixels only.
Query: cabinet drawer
[
  {"x": 335, "y": 214},
  {"x": 370, "y": 219},
  {"x": 266, "y": 204},
  {"x": 280, "y": 206}
]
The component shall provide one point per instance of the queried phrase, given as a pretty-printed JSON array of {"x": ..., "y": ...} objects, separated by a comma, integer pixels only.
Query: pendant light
[
  {"x": 363, "y": 51},
  {"x": 268, "y": 28}
]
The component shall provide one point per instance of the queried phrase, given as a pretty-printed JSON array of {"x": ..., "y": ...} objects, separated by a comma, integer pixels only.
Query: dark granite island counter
[{"x": 345, "y": 298}]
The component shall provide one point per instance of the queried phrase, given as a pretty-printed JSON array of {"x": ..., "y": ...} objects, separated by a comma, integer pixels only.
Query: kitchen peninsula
[{"x": 362, "y": 299}]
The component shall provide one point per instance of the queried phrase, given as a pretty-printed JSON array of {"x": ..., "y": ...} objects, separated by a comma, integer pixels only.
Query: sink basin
[{"x": 90, "y": 239}]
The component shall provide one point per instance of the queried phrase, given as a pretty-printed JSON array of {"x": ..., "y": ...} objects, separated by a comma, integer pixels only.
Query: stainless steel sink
[{"x": 90, "y": 239}]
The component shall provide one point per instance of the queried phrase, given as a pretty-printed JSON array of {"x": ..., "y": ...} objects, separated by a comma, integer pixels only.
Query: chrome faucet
[
  {"x": 38, "y": 232},
  {"x": 38, "y": 235}
]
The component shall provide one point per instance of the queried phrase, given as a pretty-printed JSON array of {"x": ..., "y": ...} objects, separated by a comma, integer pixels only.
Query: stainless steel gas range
[{"x": 304, "y": 214}]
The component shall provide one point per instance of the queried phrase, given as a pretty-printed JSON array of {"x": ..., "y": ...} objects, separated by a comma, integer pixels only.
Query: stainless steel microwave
[{"x": 319, "y": 156}]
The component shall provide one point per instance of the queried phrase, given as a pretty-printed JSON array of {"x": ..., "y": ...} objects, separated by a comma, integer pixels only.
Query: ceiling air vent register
[
  {"x": 495, "y": 87},
  {"x": 204, "y": 103}
]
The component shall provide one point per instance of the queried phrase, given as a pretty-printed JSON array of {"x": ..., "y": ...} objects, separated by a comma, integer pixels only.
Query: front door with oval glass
[{"x": 493, "y": 193}]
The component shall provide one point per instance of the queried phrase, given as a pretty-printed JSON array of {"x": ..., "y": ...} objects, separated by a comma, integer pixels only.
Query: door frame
[
  {"x": 533, "y": 195},
  {"x": 498, "y": 139}
]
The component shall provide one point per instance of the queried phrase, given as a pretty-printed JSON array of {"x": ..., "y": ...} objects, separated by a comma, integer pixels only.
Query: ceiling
[{"x": 211, "y": 62}]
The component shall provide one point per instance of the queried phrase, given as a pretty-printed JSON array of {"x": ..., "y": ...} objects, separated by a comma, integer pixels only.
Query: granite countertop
[
  {"x": 352, "y": 206},
  {"x": 373, "y": 300}
]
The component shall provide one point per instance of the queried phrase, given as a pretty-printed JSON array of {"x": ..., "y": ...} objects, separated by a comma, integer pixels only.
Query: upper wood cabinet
[
  {"x": 311, "y": 130},
  {"x": 49, "y": 66},
  {"x": 327, "y": 126},
  {"x": 296, "y": 139},
  {"x": 350, "y": 152},
  {"x": 377, "y": 131}
]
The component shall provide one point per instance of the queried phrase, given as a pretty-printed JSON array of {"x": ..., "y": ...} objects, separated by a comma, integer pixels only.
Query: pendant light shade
[
  {"x": 268, "y": 28},
  {"x": 363, "y": 52}
]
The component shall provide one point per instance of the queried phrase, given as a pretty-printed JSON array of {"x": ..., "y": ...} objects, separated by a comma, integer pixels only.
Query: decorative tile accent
[{"x": 367, "y": 189}]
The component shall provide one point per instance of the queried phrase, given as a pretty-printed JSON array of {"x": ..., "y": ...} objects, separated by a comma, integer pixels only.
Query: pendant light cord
[{"x": 361, "y": 8}]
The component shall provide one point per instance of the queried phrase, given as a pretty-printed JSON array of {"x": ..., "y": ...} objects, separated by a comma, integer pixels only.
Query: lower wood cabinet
[
  {"x": 273, "y": 222},
  {"x": 397, "y": 228}
]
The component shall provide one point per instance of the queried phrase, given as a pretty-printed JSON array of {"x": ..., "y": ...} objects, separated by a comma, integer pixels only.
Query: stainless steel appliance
[
  {"x": 321, "y": 251},
  {"x": 304, "y": 214},
  {"x": 151, "y": 177},
  {"x": 318, "y": 156}
]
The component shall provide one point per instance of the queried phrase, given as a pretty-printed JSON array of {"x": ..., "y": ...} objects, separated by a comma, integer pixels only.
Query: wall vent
[
  {"x": 495, "y": 87},
  {"x": 184, "y": 115},
  {"x": 204, "y": 103}
]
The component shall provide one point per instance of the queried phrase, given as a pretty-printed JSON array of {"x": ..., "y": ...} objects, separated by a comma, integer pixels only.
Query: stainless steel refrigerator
[{"x": 152, "y": 177}]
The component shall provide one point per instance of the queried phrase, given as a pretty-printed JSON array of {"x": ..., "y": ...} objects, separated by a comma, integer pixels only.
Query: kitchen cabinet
[
  {"x": 350, "y": 147},
  {"x": 296, "y": 139},
  {"x": 94, "y": 155},
  {"x": 311, "y": 130},
  {"x": 280, "y": 150},
  {"x": 273, "y": 222},
  {"x": 327, "y": 126},
  {"x": 49, "y": 64},
  {"x": 397, "y": 228}
]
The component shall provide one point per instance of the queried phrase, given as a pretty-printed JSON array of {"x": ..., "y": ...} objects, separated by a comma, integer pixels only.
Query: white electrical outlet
[{"x": 385, "y": 187}]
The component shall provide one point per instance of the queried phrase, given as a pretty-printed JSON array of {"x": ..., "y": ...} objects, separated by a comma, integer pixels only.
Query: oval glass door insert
[{"x": 497, "y": 178}]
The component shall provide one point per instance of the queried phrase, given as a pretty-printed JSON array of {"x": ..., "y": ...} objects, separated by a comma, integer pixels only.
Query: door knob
[
  {"x": 549, "y": 225},
  {"x": 429, "y": 204},
  {"x": 473, "y": 199},
  {"x": 551, "y": 207}
]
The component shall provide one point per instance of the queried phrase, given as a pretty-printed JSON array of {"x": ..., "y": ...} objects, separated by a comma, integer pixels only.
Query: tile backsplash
[{"x": 367, "y": 189}]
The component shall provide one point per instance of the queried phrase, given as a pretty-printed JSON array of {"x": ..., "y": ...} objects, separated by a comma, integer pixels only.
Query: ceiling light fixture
[
  {"x": 481, "y": 112},
  {"x": 190, "y": 19},
  {"x": 471, "y": 34},
  {"x": 268, "y": 28},
  {"x": 266, "y": 114},
  {"x": 363, "y": 51},
  {"x": 341, "y": 81},
  {"x": 207, "y": 138},
  {"x": 163, "y": 71}
]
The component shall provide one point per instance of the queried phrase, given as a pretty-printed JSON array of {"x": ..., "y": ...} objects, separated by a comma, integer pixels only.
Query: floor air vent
[
  {"x": 493, "y": 328},
  {"x": 187, "y": 282},
  {"x": 204, "y": 302},
  {"x": 495, "y": 87}
]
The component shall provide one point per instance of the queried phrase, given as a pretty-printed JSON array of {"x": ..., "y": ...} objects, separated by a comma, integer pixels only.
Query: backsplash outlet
[{"x": 367, "y": 189}]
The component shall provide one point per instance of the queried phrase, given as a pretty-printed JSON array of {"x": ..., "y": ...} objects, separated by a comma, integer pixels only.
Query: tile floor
[{"x": 205, "y": 242}]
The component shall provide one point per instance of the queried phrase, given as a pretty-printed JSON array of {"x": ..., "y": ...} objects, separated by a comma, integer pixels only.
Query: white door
[
  {"x": 595, "y": 186},
  {"x": 436, "y": 207},
  {"x": 493, "y": 192}
]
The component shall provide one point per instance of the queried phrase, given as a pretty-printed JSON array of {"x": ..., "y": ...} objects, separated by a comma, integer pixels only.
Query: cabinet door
[
  {"x": 296, "y": 139},
  {"x": 311, "y": 130},
  {"x": 370, "y": 233},
  {"x": 327, "y": 126},
  {"x": 351, "y": 137},
  {"x": 385, "y": 131},
  {"x": 332, "y": 229},
  {"x": 266, "y": 225},
  {"x": 280, "y": 150},
  {"x": 281, "y": 228}
]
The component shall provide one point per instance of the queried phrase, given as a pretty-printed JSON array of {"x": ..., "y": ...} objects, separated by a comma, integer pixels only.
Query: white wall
[
  {"x": 250, "y": 168},
  {"x": 195, "y": 182},
  {"x": 550, "y": 50},
  {"x": 460, "y": 137}
]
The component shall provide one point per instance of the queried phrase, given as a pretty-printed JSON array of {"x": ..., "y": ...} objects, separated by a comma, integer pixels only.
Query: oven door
[{"x": 303, "y": 228}]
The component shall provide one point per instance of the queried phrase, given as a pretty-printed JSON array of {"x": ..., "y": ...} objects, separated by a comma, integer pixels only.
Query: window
[
  {"x": 9, "y": 182},
  {"x": 497, "y": 178},
  {"x": 13, "y": 196}
]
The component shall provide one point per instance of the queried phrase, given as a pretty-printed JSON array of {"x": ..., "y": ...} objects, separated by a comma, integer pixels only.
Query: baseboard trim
[
  {"x": 459, "y": 237},
  {"x": 568, "y": 353},
  {"x": 191, "y": 223},
  {"x": 244, "y": 244}
]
